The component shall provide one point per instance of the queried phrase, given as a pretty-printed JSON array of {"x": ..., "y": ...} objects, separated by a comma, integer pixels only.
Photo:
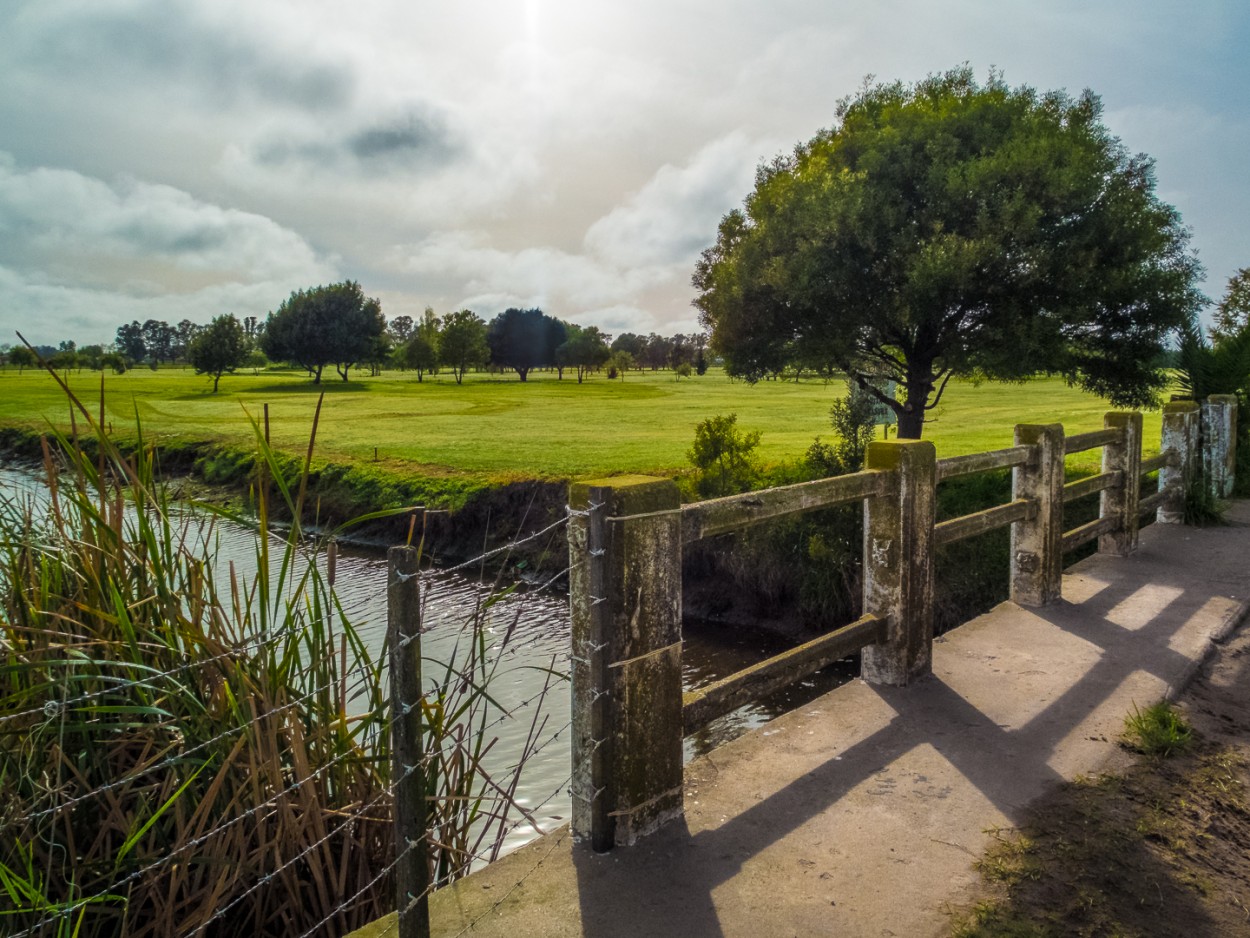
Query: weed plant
[{"x": 1159, "y": 730}]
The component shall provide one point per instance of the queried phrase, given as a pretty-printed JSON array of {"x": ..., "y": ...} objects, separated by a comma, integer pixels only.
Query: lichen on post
[
  {"x": 625, "y": 591},
  {"x": 898, "y": 561},
  {"x": 1037, "y": 543}
]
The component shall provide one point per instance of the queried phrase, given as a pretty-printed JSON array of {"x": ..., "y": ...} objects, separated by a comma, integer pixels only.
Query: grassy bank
[{"x": 492, "y": 430}]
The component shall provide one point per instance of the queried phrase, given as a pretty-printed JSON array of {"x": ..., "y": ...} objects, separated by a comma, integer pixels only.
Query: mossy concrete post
[
  {"x": 1120, "y": 501},
  {"x": 1037, "y": 542},
  {"x": 1181, "y": 435},
  {"x": 1219, "y": 443},
  {"x": 625, "y": 592},
  {"x": 898, "y": 561}
]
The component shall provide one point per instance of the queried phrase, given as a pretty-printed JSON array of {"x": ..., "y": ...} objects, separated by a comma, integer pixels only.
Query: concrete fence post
[
  {"x": 1121, "y": 500},
  {"x": 898, "y": 561},
  {"x": 625, "y": 593},
  {"x": 1181, "y": 434},
  {"x": 1219, "y": 443},
  {"x": 1037, "y": 543}
]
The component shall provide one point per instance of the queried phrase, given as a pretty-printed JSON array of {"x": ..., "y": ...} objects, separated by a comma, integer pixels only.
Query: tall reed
[{"x": 185, "y": 750}]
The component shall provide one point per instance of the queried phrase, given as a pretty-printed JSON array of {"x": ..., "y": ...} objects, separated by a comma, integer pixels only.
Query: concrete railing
[{"x": 625, "y": 541}]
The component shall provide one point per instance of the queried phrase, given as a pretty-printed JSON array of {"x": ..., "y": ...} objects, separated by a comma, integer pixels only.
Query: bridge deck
[{"x": 861, "y": 813}]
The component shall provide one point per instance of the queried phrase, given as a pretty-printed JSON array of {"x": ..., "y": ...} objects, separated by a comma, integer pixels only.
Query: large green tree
[
  {"x": 218, "y": 349},
  {"x": 335, "y": 324},
  {"x": 585, "y": 348},
  {"x": 950, "y": 228}
]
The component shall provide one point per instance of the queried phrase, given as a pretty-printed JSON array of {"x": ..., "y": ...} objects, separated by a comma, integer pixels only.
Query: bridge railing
[{"x": 626, "y": 536}]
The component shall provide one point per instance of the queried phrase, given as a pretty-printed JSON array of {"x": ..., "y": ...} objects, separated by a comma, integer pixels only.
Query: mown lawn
[{"x": 494, "y": 426}]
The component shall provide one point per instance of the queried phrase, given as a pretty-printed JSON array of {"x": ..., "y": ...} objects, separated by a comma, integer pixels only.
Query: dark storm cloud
[
  {"x": 418, "y": 139},
  {"x": 154, "y": 45}
]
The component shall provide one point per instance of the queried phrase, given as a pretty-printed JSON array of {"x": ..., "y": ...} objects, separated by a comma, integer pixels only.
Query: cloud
[
  {"x": 78, "y": 249},
  {"x": 154, "y": 47},
  {"x": 674, "y": 216},
  {"x": 59, "y": 214},
  {"x": 417, "y": 139}
]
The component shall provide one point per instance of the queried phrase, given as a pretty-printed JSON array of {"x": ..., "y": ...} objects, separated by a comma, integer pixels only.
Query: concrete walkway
[{"x": 861, "y": 813}]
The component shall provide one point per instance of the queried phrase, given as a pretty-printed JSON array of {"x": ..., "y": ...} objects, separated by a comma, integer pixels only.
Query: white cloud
[
  {"x": 56, "y": 214},
  {"x": 674, "y": 216}
]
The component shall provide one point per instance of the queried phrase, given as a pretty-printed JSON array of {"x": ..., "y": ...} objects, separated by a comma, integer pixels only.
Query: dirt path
[{"x": 1156, "y": 847}]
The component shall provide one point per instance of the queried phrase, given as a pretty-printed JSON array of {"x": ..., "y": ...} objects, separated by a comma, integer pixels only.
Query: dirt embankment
[{"x": 1161, "y": 848}]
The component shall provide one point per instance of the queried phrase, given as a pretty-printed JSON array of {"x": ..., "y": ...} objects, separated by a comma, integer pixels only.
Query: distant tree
[
  {"x": 335, "y": 324},
  {"x": 629, "y": 342},
  {"x": 91, "y": 356},
  {"x": 619, "y": 362},
  {"x": 23, "y": 357},
  {"x": 524, "y": 339},
  {"x": 954, "y": 229},
  {"x": 585, "y": 349},
  {"x": 255, "y": 358},
  {"x": 463, "y": 342},
  {"x": 684, "y": 370},
  {"x": 379, "y": 353},
  {"x": 655, "y": 354},
  {"x": 401, "y": 328},
  {"x": 130, "y": 342},
  {"x": 159, "y": 339},
  {"x": 1232, "y": 316},
  {"x": 681, "y": 351},
  {"x": 114, "y": 360},
  {"x": 184, "y": 332},
  {"x": 219, "y": 349}
]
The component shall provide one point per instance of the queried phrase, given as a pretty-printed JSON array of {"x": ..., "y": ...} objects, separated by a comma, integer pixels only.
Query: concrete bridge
[{"x": 861, "y": 813}]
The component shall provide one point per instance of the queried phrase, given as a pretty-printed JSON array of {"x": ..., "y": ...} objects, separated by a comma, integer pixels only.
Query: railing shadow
[{"x": 981, "y": 723}]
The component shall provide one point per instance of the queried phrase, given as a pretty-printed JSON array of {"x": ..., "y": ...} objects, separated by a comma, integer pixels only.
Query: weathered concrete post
[
  {"x": 1037, "y": 543},
  {"x": 1121, "y": 500},
  {"x": 625, "y": 592},
  {"x": 1219, "y": 443},
  {"x": 1181, "y": 434},
  {"x": 898, "y": 561}
]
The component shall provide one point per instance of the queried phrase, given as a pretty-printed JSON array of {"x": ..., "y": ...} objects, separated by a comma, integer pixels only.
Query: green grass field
[{"x": 494, "y": 427}]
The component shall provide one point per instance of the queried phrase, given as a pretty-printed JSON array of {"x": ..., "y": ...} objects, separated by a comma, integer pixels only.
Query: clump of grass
[
  {"x": 1202, "y": 508},
  {"x": 1159, "y": 730}
]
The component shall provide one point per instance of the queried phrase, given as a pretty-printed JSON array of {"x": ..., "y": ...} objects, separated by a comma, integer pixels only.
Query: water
[{"x": 539, "y": 643}]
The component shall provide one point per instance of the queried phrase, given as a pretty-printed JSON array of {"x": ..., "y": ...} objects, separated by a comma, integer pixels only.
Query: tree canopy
[
  {"x": 585, "y": 349},
  {"x": 951, "y": 228},
  {"x": 219, "y": 349},
  {"x": 1232, "y": 315},
  {"x": 524, "y": 339},
  {"x": 462, "y": 344},
  {"x": 334, "y": 324}
]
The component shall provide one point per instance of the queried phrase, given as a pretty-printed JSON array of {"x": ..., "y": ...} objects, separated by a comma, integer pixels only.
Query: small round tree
[{"x": 219, "y": 349}]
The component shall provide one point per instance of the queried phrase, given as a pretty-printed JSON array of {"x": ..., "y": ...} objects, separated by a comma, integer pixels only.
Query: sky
[{"x": 181, "y": 159}]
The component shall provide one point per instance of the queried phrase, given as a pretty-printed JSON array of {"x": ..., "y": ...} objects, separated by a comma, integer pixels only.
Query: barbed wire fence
[{"x": 449, "y": 800}]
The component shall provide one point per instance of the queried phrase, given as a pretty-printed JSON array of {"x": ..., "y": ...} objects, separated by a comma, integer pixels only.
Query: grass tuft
[{"x": 1159, "y": 730}]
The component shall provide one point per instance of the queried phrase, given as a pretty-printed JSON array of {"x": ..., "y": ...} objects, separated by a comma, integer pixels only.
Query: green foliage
[
  {"x": 463, "y": 343},
  {"x": 893, "y": 245},
  {"x": 1202, "y": 508},
  {"x": 524, "y": 339},
  {"x": 1232, "y": 316},
  {"x": 335, "y": 324},
  {"x": 219, "y": 349},
  {"x": 585, "y": 349},
  {"x": 23, "y": 357},
  {"x": 723, "y": 457},
  {"x": 1159, "y": 730}
]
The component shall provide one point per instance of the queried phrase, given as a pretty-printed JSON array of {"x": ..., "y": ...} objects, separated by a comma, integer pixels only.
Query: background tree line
[{"x": 339, "y": 326}]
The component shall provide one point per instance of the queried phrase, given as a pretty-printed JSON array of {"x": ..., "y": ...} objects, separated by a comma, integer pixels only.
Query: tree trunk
[{"x": 910, "y": 423}]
